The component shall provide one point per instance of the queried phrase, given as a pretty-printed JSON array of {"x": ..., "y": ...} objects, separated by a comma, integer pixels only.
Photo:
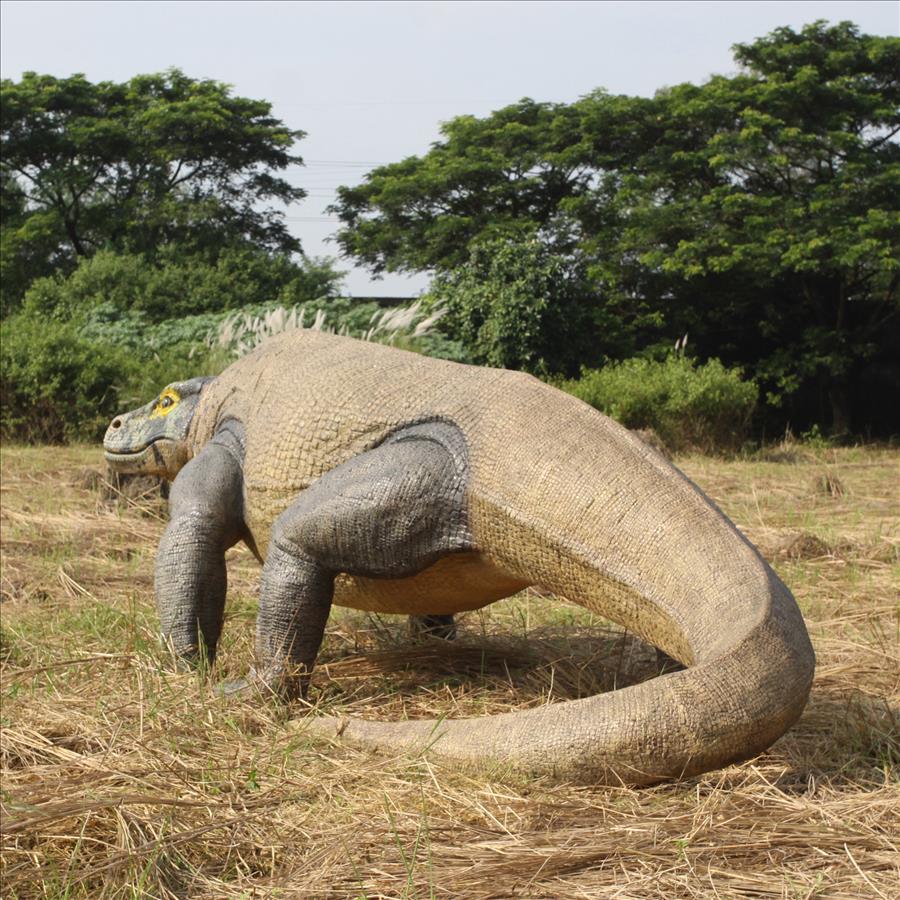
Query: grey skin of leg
[
  {"x": 206, "y": 518},
  {"x": 387, "y": 513}
]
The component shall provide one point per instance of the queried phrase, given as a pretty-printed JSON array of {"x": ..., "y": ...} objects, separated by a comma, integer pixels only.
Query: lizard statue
[{"x": 374, "y": 478}]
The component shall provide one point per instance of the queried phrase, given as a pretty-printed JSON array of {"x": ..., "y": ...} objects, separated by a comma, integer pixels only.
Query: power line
[
  {"x": 328, "y": 103},
  {"x": 345, "y": 162}
]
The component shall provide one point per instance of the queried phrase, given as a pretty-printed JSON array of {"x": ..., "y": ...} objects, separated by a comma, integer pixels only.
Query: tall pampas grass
[{"x": 242, "y": 332}]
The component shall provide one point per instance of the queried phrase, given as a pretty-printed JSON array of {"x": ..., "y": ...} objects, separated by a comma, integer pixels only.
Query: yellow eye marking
[{"x": 166, "y": 403}]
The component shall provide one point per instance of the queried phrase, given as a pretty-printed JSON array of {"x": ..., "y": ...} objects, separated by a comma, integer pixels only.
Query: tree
[
  {"x": 160, "y": 159},
  {"x": 29, "y": 244},
  {"x": 780, "y": 227},
  {"x": 504, "y": 176},
  {"x": 758, "y": 212},
  {"x": 516, "y": 305}
]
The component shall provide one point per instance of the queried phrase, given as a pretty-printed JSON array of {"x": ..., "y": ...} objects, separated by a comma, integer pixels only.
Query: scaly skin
[{"x": 382, "y": 480}]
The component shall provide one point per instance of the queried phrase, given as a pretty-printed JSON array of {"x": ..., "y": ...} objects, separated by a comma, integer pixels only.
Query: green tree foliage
[
  {"x": 784, "y": 220},
  {"x": 516, "y": 305},
  {"x": 759, "y": 211},
  {"x": 504, "y": 176},
  {"x": 30, "y": 241},
  {"x": 160, "y": 160}
]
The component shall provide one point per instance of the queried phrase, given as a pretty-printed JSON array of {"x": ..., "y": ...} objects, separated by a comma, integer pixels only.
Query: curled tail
[
  {"x": 725, "y": 709},
  {"x": 645, "y": 548}
]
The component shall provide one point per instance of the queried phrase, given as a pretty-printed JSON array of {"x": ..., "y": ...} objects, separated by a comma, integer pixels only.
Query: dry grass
[{"x": 121, "y": 779}]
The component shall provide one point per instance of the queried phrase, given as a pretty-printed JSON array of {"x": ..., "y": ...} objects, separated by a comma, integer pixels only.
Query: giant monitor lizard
[{"x": 378, "y": 479}]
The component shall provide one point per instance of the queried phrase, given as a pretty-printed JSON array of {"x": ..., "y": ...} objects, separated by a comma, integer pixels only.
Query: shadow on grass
[{"x": 525, "y": 670}]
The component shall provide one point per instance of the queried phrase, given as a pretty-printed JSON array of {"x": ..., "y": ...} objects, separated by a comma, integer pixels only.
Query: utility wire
[{"x": 344, "y": 162}]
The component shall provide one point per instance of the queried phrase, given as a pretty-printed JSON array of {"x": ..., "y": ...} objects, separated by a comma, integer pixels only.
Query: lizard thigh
[{"x": 389, "y": 512}]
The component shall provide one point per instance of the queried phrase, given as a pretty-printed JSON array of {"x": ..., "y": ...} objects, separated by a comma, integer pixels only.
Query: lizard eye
[{"x": 166, "y": 402}]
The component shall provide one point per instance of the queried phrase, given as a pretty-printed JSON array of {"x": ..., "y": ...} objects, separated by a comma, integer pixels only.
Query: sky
[{"x": 370, "y": 82}]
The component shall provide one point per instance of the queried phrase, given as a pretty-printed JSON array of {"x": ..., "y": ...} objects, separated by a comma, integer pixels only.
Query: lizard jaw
[{"x": 161, "y": 456}]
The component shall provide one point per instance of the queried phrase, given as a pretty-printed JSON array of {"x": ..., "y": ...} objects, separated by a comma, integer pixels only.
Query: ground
[{"x": 120, "y": 779}]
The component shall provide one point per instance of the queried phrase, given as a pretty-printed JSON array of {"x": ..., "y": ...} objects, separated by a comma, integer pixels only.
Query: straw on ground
[{"x": 122, "y": 779}]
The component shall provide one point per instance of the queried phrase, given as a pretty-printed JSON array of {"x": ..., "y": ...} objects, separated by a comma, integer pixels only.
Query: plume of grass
[{"x": 242, "y": 332}]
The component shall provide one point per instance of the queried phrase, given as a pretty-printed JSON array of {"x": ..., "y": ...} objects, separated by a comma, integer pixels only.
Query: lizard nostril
[{"x": 117, "y": 423}]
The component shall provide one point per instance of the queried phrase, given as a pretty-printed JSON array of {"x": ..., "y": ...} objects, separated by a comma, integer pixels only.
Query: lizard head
[{"x": 152, "y": 440}]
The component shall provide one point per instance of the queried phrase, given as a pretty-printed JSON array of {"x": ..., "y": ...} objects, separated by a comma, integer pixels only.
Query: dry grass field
[{"x": 121, "y": 779}]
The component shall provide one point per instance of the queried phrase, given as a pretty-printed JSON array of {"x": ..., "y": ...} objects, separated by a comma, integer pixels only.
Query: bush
[
  {"x": 56, "y": 386},
  {"x": 516, "y": 305},
  {"x": 174, "y": 286},
  {"x": 59, "y": 386},
  {"x": 691, "y": 407}
]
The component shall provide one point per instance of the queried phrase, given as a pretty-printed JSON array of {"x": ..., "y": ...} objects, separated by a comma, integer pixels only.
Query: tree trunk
[
  {"x": 839, "y": 397},
  {"x": 71, "y": 231}
]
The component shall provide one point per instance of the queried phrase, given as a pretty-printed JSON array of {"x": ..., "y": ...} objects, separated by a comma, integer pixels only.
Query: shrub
[
  {"x": 701, "y": 407},
  {"x": 59, "y": 386},
  {"x": 516, "y": 305},
  {"x": 174, "y": 286},
  {"x": 56, "y": 385}
]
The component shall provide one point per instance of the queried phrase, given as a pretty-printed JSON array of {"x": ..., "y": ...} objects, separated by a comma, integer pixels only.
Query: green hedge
[
  {"x": 171, "y": 286},
  {"x": 691, "y": 407},
  {"x": 58, "y": 385}
]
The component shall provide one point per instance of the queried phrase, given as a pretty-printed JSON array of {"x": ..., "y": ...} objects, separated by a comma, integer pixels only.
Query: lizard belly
[{"x": 455, "y": 583}]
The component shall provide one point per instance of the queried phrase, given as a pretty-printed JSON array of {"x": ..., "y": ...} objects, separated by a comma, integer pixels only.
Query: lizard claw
[
  {"x": 245, "y": 687},
  {"x": 230, "y": 688}
]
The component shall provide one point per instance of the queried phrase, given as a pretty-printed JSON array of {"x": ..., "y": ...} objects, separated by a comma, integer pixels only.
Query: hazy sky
[{"x": 370, "y": 82}]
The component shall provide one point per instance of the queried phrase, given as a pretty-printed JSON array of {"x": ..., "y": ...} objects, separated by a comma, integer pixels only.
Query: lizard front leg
[{"x": 206, "y": 518}]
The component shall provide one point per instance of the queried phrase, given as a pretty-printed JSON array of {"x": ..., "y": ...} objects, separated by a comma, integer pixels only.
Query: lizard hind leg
[
  {"x": 388, "y": 513},
  {"x": 438, "y": 626}
]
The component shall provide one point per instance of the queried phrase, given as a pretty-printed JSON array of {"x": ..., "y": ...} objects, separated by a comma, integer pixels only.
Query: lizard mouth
[
  {"x": 125, "y": 455},
  {"x": 121, "y": 458}
]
